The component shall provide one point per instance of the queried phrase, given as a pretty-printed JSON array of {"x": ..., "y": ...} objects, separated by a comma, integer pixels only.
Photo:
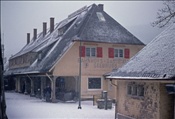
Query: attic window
[
  {"x": 65, "y": 27},
  {"x": 60, "y": 31},
  {"x": 100, "y": 16}
]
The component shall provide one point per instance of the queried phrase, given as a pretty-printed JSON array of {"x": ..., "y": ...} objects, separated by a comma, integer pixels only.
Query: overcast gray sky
[{"x": 20, "y": 17}]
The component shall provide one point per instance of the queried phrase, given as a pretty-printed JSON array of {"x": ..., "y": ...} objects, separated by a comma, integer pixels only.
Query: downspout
[
  {"x": 116, "y": 111},
  {"x": 113, "y": 83}
]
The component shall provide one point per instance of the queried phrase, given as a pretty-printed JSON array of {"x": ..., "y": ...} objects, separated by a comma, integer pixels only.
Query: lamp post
[{"x": 80, "y": 53}]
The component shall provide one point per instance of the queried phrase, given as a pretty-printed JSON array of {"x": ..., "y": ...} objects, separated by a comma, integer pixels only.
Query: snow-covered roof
[
  {"x": 83, "y": 24},
  {"x": 154, "y": 61}
]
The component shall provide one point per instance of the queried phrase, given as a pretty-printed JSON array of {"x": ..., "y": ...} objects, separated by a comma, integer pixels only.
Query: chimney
[
  {"x": 51, "y": 24},
  {"x": 28, "y": 38},
  {"x": 100, "y": 6},
  {"x": 34, "y": 34},
  {"x": 44, "y": 28}
]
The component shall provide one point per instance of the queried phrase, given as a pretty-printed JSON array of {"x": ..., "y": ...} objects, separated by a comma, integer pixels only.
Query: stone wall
[
  {"x": 139, "y": 107},
  {"x": 166, "y": 103}
]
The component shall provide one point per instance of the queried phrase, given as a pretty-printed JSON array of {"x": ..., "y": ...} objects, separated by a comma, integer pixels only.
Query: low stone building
[
  {"x": 86, "y": 45},
  {"x": 143, "y": 81}
]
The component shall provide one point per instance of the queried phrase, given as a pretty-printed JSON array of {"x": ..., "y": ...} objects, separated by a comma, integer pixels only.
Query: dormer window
[
  {"x": 60, "y": 31},
  {"x": 100, "y": 16}
]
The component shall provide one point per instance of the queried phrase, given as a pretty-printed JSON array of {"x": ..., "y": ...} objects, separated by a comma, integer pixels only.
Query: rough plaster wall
[
  {"x": 111, "y": 89},
  {"x": 146, "y": 107},
  {"x": 166, "y": 103},
  {"x": 150, "y": 105},
  {"x": 69, "y": 65}
]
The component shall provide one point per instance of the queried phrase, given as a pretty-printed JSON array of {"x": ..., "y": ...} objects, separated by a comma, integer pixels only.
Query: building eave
[{"x": 140, "y": 78}]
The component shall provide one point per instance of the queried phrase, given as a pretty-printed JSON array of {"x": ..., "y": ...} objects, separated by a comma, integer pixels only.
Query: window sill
[{"x": 136, "y": 97}]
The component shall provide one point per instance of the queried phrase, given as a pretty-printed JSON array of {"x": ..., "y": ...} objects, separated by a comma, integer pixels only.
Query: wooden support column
[
  {"x": 42, "y": 86},
  {"x": 16, "y": 84},
  {"x": 19, "y": 85},
  {"x": 32, "y": 87},
  {"x": 53, "y": 87},
  {"x": 25, "y": 83},
  {"x": 32, "y": 94}
]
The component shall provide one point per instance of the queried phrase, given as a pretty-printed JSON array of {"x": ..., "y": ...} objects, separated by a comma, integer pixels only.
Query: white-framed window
[
  {"x": 118, "y": 53},
  {"x": 60, "y": 31},
  {"x": 90, "y": 52},
  {"x": 121, "y": 53},
  {"x": 94, "y": 83},
  {"x": 135, "y": 90}
]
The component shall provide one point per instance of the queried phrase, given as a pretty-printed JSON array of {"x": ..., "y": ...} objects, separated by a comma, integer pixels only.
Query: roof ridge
[
  {"x": 160, "y": 34},
  {"x": 82, "y": 27}
]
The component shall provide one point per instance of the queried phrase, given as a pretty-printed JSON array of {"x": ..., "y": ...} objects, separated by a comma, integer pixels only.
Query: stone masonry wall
[
  {"x": 166, "y": 103},
  {"x": 143, "y": 107}
]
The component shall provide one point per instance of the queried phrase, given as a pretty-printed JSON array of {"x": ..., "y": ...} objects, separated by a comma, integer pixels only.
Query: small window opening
[{"x": 100, "y": 16}]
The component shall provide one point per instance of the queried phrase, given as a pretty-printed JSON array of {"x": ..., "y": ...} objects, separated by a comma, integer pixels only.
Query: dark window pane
[
  {"x": 93, "y": 51},
  {"x": 140, "y": 90},
  {"x": 88, "y": 52},
  {"x": 94, "y": 83},
  {"x": 134, "y": 90},
  {"x": 120, "y": 53}
]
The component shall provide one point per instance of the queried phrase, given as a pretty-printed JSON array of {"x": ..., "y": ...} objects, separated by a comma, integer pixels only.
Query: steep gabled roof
[
  {"x": 154, "y": 61},
  {"x": 106, "y": 29},
  {"x": 82, "y": 24}
]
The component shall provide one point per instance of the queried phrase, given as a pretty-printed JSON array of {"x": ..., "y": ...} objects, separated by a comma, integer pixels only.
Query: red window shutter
[
  {"x": 99, "y": 52},
  {"x": 82, "y": 51},
  {"x": 111, "y": 52},
  {"x": 127, "y": 53}
]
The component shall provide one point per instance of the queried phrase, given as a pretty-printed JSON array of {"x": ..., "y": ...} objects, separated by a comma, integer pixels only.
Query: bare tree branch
[{"x": 165, "y": 15}]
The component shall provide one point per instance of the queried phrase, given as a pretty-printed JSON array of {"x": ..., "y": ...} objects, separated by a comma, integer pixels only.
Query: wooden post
[
  {"x": 42, "y": 86},
  {"x": 16, "y": 84},
  {"x": 53, "y": 89},
  {"x": 25, "y": 83},
  {"x": 31, "y": 86},
  {"x": 19, "y": 85}
]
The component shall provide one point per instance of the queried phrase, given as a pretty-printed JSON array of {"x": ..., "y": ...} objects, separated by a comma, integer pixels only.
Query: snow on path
[{"x": 20, "y": 106}]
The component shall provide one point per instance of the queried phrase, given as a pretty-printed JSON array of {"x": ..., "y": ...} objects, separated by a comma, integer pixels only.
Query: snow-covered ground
[{"x": 20, "y": 106}]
